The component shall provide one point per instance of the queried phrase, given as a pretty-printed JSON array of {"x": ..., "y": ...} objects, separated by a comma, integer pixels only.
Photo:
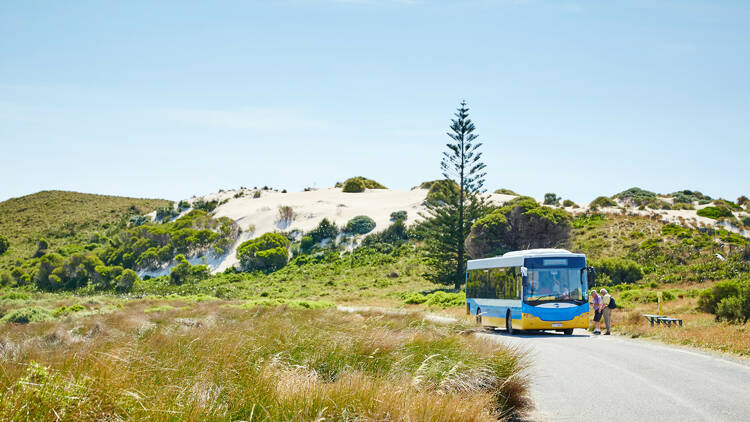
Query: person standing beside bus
[
  {"x": 606, "y": 310},
  {"x": 596, "y": 303}
]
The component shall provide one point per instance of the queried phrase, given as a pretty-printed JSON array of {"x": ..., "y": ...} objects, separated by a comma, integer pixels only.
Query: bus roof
[{"x": 515, "y": 258}]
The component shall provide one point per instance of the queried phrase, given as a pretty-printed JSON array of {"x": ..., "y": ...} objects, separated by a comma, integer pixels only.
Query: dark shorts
[{"x": 597, "y": 316}]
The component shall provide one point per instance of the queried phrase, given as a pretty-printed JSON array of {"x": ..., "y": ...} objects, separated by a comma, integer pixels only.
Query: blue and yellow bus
[{"x": 535, "y": 289}]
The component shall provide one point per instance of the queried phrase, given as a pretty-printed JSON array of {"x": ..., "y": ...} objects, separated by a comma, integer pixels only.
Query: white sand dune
[{"x": 257, "y": 216}]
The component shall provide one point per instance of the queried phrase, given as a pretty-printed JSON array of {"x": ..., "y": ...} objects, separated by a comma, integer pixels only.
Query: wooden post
[{"x": 659, "y": 297}]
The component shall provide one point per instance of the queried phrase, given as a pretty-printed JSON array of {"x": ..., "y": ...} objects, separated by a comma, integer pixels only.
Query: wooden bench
[{"x": 662, "y": 320}]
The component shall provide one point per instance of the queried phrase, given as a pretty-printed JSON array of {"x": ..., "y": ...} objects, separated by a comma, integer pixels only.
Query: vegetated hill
[{"x": 64, "y": 218}]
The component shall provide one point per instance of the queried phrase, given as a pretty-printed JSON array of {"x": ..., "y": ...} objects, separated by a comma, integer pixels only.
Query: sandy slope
[{"x": 257, "y": 216}]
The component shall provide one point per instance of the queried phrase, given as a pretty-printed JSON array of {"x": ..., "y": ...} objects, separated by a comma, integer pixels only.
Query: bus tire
[
  {"x": 508, "y": 323},
  {"x": 568, "y": 332},
  {"x": 479, "y": 316}
]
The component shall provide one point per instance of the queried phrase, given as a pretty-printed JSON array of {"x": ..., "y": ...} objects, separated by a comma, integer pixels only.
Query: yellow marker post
[{"x": 659, "y": 296}]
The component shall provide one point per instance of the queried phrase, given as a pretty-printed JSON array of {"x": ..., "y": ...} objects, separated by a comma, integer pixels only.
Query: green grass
[
  {"x": 208, "y": 361},
  {"x": 365, "y": 276},
  {"x": 65, "y": 219}
]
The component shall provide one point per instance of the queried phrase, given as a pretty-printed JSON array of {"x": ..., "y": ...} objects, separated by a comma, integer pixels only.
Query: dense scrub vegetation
[
  {"x": 521, "y": 224},
  {"x": 360, "y": 224},
  {"x": 268, "y": 252},
  {"x": 504, "y": 191},
  {"x": 359, "y": 184},
  {"x": 440, "y": 190},
  {"x": 65, "y": 219},
  {"x": 108, "y": 262}
]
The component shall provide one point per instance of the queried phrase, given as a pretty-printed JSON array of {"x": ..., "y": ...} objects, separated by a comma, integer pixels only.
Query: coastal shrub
[
  {"x": 636, "y": 196},
  {"x": 745, "y": 220},
  {"x": 714, "y": 212},
  {"x": 4, "y": 244},
  {"x": 267, "y": 253},
  {"x": 150, "y": 244},
  {"x": 306, "y": 244},
  {"x": 504, "y": 191},
  {"x": 723, "y": 203},
  {"x": 709, "y": 299},
  {"x": 689, "y": 196},
  {"x": 204, "y": 205},
  {"x": 359, "y": 184},
  {"x": 354, "y": 186},
  {"x": 27, "y": 314},
  {"x": 602, "y": 202},
  {"x": 183, "y": 205},
  {"x": 618, "y": 270},
  {"x": 682, "y": 206},
  {"x": 442, "y": 190},
  {"x": 398, "y": 215},
  {"x": 730, "y": 309},
  {"x": 568, "y": 203},
  {"x": 521, "y": 224},
  {"x": 184, "y": 272},
  {"x": 124, "y": 282},
  {"x": 325, "y": 230},
  {"x": 396, "y": 234},
  {"x": 551, "y": 199},
  {"x": 439, "y": 299},
  {"x": 166, "y": 213},
  {"x": 360, "y": 224},
  {"x": 672, "y": 229}
]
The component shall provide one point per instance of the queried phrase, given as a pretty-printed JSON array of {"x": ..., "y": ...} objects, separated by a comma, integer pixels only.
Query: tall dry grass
[
  {"x": 699, "y": 328},
  {"x": 210, "y": 361}
]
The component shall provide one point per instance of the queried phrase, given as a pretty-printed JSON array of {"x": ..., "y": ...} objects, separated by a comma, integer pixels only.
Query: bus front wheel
[
  {"x": 508, "y": 323},
  {"x": 568, "y": 332}
]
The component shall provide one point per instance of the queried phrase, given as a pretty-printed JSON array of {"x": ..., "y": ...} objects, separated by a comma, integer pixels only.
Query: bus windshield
[{"x": 553, "y": 284}]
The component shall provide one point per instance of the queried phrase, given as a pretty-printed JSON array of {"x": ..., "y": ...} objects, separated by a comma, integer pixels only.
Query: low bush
[
  {"x": 67, "y": 310},
  {"x": 602, "y": 202},
  {"x": 442, "y": 190},
  {"x": 636, "y": 196},
  {"x": 398, "y": 215},
  {"x": 207, "y": 206},
  {"x": 360, "y": 224},
  {"x": 568, "y": 203},
  {"x": 504, "y": 191},
  {"x": 267, "y": 253},
  {"x": 359, "y": 184},
  {"x": 730, "y": 309},
  {"x": 709, "y": 299},
  {"x": 27, "y": 315},
  {"x": 4, "y": 244},
  {"x": 184, "y": 272},
  {"x": 354, "y": 186},
  {"x": 439, "y": 299},
  {"x": 551, "y": 199},
  {"x": 714, "y": 212},
  {"x": 325, "y": 230},
  {"x": 619, "y": 270},
  {"x": 15, "y": 296},
  {"x": 396, "y": 234}
]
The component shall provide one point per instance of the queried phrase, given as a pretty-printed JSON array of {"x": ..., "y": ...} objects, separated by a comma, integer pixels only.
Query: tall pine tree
[{"x": 449, "y": 221}]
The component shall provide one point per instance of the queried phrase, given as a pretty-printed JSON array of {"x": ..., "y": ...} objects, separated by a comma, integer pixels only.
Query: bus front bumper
[{"x": 530, "y": 322}]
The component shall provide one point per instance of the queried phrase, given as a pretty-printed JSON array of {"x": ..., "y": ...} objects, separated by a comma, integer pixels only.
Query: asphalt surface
[{"x": 610, "y": 378}]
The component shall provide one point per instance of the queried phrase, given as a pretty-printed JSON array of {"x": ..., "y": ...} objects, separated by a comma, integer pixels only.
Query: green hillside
[{"x": 64, "y": 219}]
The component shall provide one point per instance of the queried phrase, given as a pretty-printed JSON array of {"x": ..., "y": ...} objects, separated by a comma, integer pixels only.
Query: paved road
[{"x": 610, "y": 378}]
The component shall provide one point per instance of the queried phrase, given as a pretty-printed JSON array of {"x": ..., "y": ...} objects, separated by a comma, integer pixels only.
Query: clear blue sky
[{"x": 170, "y": 99}]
